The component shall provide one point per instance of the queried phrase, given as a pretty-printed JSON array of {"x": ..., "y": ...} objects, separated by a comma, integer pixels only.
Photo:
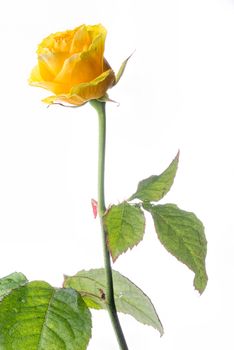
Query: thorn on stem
[{"x": 94, "y": 204}]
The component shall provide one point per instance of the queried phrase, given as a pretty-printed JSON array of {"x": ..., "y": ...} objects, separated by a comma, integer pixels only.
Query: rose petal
[
  {"x": 81, "y": 40},
  {"x": 36, "y": 79},
  {"x": 95, "y": 88},
  {"x": 87, "y": 65},
  {"x": 77, "y": 70},
  {"x": 57, "y": 42},
  {"x": 74, "y": 100},
  {"x": 52, "y": 63},
  {"x": 35, "y": 75},
  {"x": 84, "y": 92},
  {"x": 85, "y": 35}
]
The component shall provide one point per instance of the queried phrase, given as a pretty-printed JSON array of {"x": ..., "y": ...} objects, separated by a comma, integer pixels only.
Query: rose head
[{"x": 71, "y": 64}]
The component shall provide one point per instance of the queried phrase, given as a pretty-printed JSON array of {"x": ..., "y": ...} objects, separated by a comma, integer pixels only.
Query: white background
[{"x": 177, "y": 93}]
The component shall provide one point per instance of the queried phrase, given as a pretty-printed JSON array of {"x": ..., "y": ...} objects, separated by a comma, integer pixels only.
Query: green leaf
[
  {"x": 122, "y": 69},
  {"x": 39, "y": 317},
  {"x": 129, "y": 298},
  {"x": 182, "y": 234},
  {"x": 156, "y": 186},
  {"x": 10, "y": 282},
  {"x": 125, "y": 225}
]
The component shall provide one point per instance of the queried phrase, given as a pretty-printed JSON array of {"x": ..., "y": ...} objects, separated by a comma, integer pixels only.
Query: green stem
[{"x": 110, "y": 301}]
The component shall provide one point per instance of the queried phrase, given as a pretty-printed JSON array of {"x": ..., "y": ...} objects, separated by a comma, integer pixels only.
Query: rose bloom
[{"x": 71, "y": 65}]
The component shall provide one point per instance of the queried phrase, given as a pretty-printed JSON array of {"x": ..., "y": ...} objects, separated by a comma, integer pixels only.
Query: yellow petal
[
  {"x": 36, "y": 79},
  {"x": 87, "y": 65},
  {"x": 57, "y": 42},
  {"x": 85, "y": 36},
  {"x": 95, "y": 88},
  {"x": 96, "y": 51},
  {"x": 77, "y": 69},
  {"x": 81, "y": 40},
  {"x": 51, "y": 63},
  {"x": 35, "y": 76},
  {"x": 96, "y": 30},
  {"x": 84, "y": 92},
  {"x": 50, "y": 99},
  {"x": 44, "y": 70},
  {"x": 74, "y": 100}
]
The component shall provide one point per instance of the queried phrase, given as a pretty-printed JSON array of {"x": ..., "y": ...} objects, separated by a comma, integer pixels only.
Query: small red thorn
[{"x": 94, "y": 206}]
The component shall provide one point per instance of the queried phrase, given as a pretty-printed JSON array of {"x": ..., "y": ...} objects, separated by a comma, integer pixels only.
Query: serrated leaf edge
[
  {"x": 195, "y": 274},
  {"x": 114, "y": 258},
  {"x": 161, "y": 330},
  {"x": 134, "y": 196}
]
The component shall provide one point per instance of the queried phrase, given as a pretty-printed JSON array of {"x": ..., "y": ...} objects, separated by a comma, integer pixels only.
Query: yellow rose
[{"x": 71, "y": 65}]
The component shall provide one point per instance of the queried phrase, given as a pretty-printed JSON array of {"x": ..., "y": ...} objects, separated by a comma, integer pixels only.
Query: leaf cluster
[
  {"x": 37, "y": 316},
  {"x": 179, "y": 231}
]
